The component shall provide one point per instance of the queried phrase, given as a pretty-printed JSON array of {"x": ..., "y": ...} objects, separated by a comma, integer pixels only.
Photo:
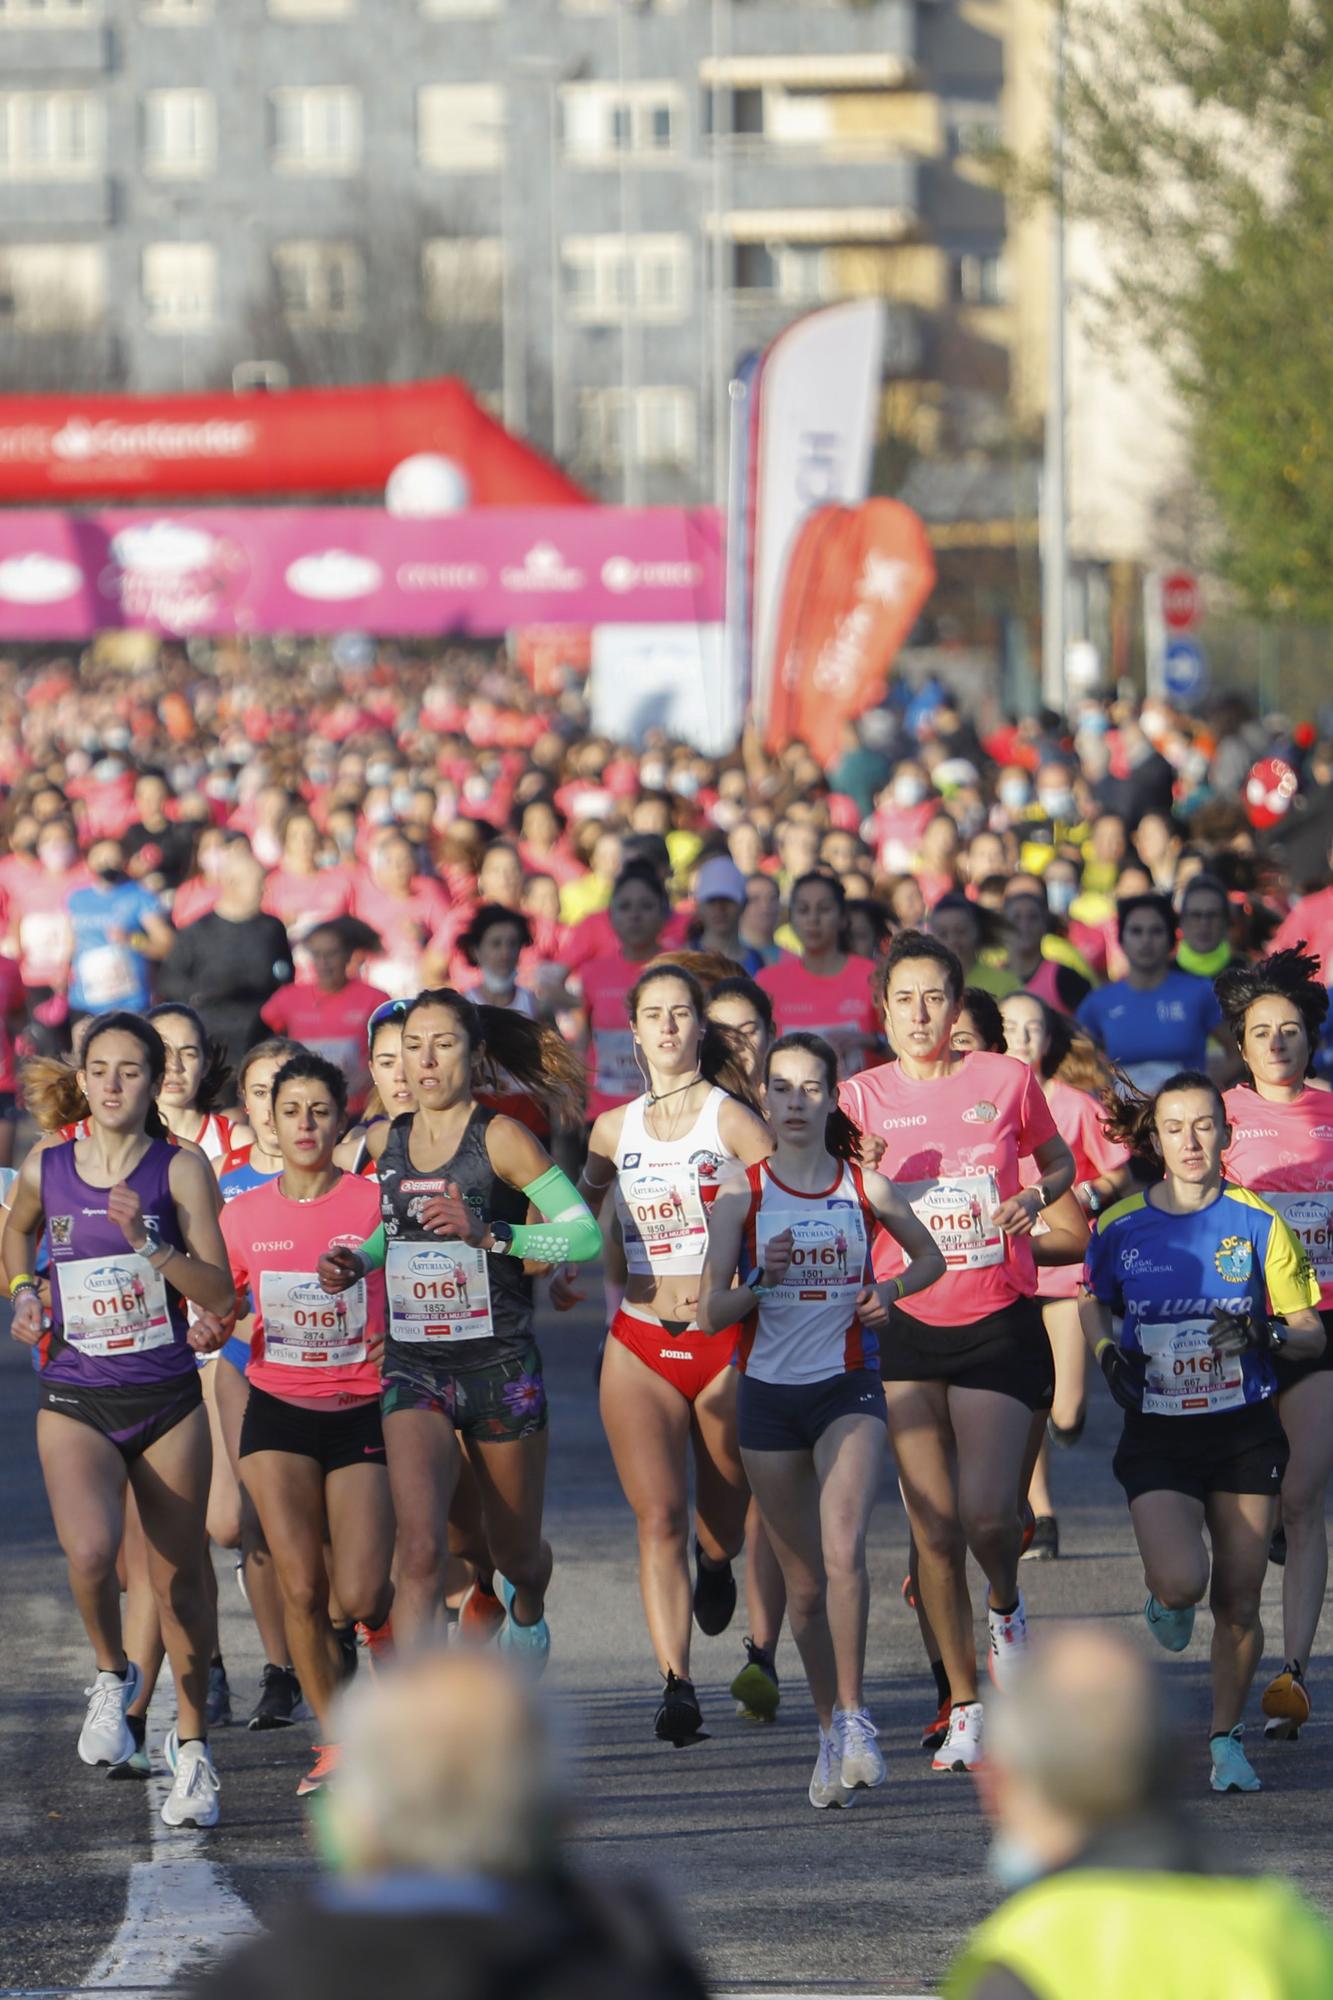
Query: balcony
[
  {"x": 33, "y": 207},
  {"x": 878, "y": 194},
  {"x": 58, "y": 53}
]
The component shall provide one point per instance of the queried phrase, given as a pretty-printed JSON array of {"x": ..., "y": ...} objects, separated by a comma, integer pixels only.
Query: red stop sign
[{"x": 1180, "y": 600}]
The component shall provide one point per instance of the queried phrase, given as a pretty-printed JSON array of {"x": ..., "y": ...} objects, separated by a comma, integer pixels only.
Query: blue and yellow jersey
[{"x": 1164, "y": 1275}]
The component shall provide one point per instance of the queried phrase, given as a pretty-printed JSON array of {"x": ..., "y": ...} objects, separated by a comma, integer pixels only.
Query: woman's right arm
[{"x": 23, "y": 1225}]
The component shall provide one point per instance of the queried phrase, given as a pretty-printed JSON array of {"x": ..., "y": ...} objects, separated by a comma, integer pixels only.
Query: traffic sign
[
  {"x": 1180, "y": 600},
  {"x": 1184, "y": 671}
]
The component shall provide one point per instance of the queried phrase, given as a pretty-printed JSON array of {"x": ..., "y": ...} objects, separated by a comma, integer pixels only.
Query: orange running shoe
[
  {"x": 935, "y": 1732},
  {"x": 480, "y": 1615},
  {"x": 1029, "y": 1521},
  {"x": 909, "y": 1595},
  {"x": 323, "y": 1768},
  {"x": 378, "y": 1643}
]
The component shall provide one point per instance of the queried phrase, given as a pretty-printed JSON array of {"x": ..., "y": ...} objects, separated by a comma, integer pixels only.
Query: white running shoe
[
  {"x": 193, "y": 1798},
  {"x": 1008, "y": 1643},
  {"x": 862, "y": 1764},
  {"x": 826, "y": 1787},
  {"x": 106, "y": 1737},
  {"x": 961, "y": 1749}
]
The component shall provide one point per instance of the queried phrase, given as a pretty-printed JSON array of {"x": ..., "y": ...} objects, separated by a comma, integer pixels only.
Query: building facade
[{"x": 591, "y": 208}]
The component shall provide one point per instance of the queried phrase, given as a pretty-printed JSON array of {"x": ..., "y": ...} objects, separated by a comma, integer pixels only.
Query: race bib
[
  {"x": 829, "y": 1256},
  {"x": 1184, "y": 1377},
  {"x": 618, "y": 1075},
  {"x": 438, "y": 1292},
  {"x": 305, "y": 1327},
  {"x": 44, "y": 941},
  {"x": 959, "y": 1212},
  {"x": 113, "y": 1305},
  {"x": 1308, "y": 1218},
  {"x": 666, "y": 1212},
  {"x": 108, "y": 975}
]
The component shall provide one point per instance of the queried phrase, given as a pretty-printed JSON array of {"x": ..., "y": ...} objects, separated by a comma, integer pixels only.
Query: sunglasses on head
[{"x": 388, "y": 1010}]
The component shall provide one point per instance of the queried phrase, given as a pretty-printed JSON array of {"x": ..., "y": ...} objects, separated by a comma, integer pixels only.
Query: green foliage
[{"x": 1200, "y": 136}]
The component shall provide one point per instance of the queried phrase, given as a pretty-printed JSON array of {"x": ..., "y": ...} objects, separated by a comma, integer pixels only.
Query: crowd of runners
[{"x": 359, "y": 1019}]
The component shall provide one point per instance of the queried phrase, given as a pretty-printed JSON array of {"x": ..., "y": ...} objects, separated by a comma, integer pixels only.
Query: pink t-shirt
[
  {"x": 332, "y": 1024},
  {"x": 841, "y": 1007},
  {"x": 1078, "y": 1118},
  {"x": 406, "y": 926},
  {"x": 275, "y": 1245},
  {"x": 1310, "y": 923},
  {"x": 303, "y": 901},
  {"x": 595, "y": 937},
  {"x": 11, "y": 1009},
  {"x": 38, "y": 911},
  {"x": 1284, "y": 1152},
  {"x": 960, "y": 1137},
  {"x": 614, "y": 1075}
]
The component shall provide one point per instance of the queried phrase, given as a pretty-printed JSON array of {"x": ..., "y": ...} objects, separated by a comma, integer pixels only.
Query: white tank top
[
  {"x": 664, "y": 1188},
  {"x": 806, "y": 1330}
]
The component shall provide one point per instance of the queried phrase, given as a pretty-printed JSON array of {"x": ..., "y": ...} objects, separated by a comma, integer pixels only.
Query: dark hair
[
  {"x": 875, "y": 914},
  {"x": 918, "y": 944},
  {"x": 273, "y": 1045},
  {"x": 1212, "y": 884},
  {"x": 841, "y": 1136},
  {"x": 822, "y": 875},
  {"x": 217, "y": 1086},
  {"x": 1291, "y": 975},
  {"x": 741, "y": 987},
  {"x": 1071, "y": 1054},
  {"x": 488, "y": 918},
  {"x": 985, "y": 1011},
  {"x": 305, "y": 1064},
  {"x": 1152, "y": 899},
  {"x": 503, "y": 1043},
  {"x": 1133, "y": 1119},
  {"x": 644, "y": 872},
  {"x": 54, "y": 1094},
  {"x": 989, "y": 924},
  {"x": 721, "y": 1061}
]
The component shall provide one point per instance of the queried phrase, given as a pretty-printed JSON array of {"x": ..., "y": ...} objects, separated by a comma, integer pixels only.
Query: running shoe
[
  {"x": 1277, "y": 1546},
  {"x": 1008, "y": 1643},
  {"x": 140, "y": 1765},
  {"x": 530, "y": 1645},
  {"x": 324, "y": 1766},
  {"x": 1029, "y": 1520},
  {"x": 826, "y": 1786},
  {"x": 755, "y": 1689},
  {"x": 193, "y": 1798},
  {"x": 1232, "y": 1769},
  {"x": 1171, "y": 1629},
  {"x": 480, "y": 1615},
  {"x": 1045, "y": 1544},
  {"x": 856, "y": 1734},
  {"x": 679, "y": 1718},
  {"x": 280, "y": 1703},
  {"x": 218, "y": 1707},
  {"x": 1286, "y": 1703},
  {"x": 909, "y": 1595},
  {"x": 935, "y": 1732},
  {"x": 961, "y": 1749},
  {"x": 376, "y": 1641},
  {"x": 106, "y": 1737},
  {"x": 714, "y": 1595}
]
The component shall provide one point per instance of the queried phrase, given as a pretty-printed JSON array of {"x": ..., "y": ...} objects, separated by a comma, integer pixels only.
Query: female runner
[
  {"x": 638, "y": 911},
  {"x": 312, "y": 1448},
  {"x": 132, "y": 1227},
  {"x": 1282, "y": 1148},
  {"x": 826, "y": 991},
  {"x": 1192, "y": 1268},
  {"x": 664, "y": 1381},
  {"x": 1079, "y": 1085},
  {"x": 389, "y": 1094},
  {"x": 811, "y": 1405},
  {"x": 460, "y": 1361},
  {"x": 966, "y": 1371}
]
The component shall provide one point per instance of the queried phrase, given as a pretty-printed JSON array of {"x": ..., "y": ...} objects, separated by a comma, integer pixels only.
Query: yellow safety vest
[{"x": 1102, "y": 1935}]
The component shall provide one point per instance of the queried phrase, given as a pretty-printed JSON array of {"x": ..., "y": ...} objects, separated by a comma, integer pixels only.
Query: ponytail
[
  {"x": 507, "y": 1045},
  {"x": 55, "y": 1096},
  {"x": 1133, "y": 1119}
]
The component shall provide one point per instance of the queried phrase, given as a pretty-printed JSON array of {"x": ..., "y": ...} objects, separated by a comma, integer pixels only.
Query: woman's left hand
[
  {"x": 124, "y": 1208},
  {"x": 448, "y": 1215},
  {"x": 1017, "y": 1215},
  {"x": 207, "y": 1332},
  {"x": 872, "y": 1307}
]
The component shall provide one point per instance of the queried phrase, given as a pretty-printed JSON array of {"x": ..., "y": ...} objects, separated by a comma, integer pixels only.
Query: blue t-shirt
[
  {"x": 105, "y": 974},
  {"x": 1165, "y": 1275},
  {"x": 1152, "y": 1035}
]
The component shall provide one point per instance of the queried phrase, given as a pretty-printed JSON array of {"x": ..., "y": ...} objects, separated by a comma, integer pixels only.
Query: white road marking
[{"x": 178, "y": 1909}]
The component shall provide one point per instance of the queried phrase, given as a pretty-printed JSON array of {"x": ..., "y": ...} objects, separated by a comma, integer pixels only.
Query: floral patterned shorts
[{"x": 496, "y": 1405}]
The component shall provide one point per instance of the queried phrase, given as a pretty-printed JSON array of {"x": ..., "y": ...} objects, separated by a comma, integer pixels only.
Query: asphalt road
[{"x": 776, "y": 1897}]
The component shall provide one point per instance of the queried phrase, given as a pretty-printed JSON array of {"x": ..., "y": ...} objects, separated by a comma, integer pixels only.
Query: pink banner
[{"x": 314, "y": 570}]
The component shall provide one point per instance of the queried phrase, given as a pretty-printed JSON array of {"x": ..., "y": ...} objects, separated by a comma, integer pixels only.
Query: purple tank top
[{"x": 115, "y": 1323}]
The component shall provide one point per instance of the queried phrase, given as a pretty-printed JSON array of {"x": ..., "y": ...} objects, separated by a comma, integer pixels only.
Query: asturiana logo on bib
[{"x": 1235, "y": 1259}]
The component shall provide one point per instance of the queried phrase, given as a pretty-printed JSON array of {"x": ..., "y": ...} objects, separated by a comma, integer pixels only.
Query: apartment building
[{"x": 592, "y": 208}]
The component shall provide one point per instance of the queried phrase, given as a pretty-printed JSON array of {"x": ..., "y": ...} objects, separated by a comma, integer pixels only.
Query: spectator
[
  {"x": 329, "y": 1013},
  {"x": 158, "y": 850},
  {"x": 119, "y": 932},
  {"x": 227, "y": 964}
]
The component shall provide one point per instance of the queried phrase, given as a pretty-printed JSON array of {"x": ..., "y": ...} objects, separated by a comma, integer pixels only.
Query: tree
[{"x": 1200, "y": 139}]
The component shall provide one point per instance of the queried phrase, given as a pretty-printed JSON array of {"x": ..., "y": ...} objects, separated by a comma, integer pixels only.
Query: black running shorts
[
  {"x": 1233, "y": 1451},
  {"x": 1008, "y": 1352},
  {"x": 333, "y": 1438}
]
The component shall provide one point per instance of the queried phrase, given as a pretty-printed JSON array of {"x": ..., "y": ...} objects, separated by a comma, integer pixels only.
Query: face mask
[
  {"x": 908, "y": 791},
  {"x": 1060, "y": 896},
  {"x": 379, "y": 773},
  {"x": 57, "y": 855},
  {"x": 110, "y": 876},
  {"x": 1056, "y": 805},
  {"x": 210, "y": 863},
  {"x": 652, "y": 777},
  {"x": 400, "y": 798},
  {"x": 345, "y": 839},
  {"x": 1011, "y": 1864},
  {"x": 1014, "y": 794},
  {"x": 381, "y": 815},
  {"x": 495, "y": 982}
]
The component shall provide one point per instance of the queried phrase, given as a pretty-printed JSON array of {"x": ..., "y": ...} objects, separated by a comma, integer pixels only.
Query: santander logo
[{"x": 78, "y": 440}]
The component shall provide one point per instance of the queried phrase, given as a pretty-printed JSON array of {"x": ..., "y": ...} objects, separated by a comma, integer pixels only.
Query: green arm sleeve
[
  {"x": 570, "y": 1233},
  {"x": 375, "y": 1249}
]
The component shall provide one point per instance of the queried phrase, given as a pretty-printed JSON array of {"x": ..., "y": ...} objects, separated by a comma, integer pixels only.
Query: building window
[
  {"x": 796, "y": 274},
  {"x": 49, "y": 135},
  {"x": 316, "y": 129},
  {"x": 51, "y": 287},
  {"x": 463, "y": 278},
  {"x": 180, "y": 287},
  {"x": 978, "y": 279},
  {"x": 183, "y": 12},
  {"x": 311, "y": 10},
  {"x": 971, "y": 131},
  {"x": 606, "y": 277},
  {"x": 320, "y": 284},
  {"x": 664, "y": 430},
  {"x": 48, "y": 13},
  {"x": 602, "y": 122},
  {"x": 456, "y": 10},
  {"x": 179, "y": 132},
  {"x": 460, "y": 127}
]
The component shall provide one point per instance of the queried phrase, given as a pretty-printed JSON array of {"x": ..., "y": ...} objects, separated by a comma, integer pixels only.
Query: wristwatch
[{"x": 502, "y": 1238}]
